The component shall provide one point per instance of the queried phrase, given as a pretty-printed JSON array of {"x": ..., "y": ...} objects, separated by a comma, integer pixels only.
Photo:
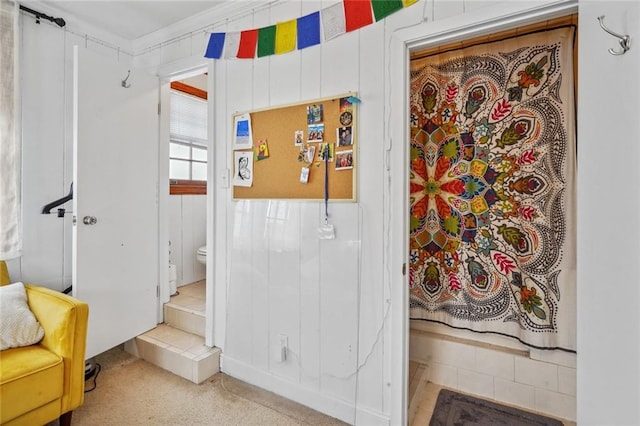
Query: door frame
[
  {"x": 404, "y": 42},
  {"x": 166, "y": 74}
]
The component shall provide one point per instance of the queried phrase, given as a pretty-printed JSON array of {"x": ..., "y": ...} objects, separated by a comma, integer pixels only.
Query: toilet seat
[{"x": 201, "y": 255}]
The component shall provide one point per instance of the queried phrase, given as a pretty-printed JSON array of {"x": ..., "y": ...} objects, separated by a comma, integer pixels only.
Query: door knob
[{"x": 89, "y": 220}]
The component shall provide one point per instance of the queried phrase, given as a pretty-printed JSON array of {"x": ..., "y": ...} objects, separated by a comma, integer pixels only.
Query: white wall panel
[
  {"x": 442, "y": 9},
  {"x": 339, "y": 303},
  {"x": 611, "y": 338},
  {"x": 260, "y": 302},
  {"x": 370, "y": 150},
  {"x": 261, "y": 69},
  {"x": 43, "y": 79},
  {"x": 224, "y": 210},
  {"x": 188, "y": 256},
  {"x": 282, "y": 232},
  {"x": 239, "y": 332},
  {"x": 340, "y": 65},
  {"x": 175, "y": 233},
  {"x": 309, "y": 351},
  {"x": 187, "y": 233}
]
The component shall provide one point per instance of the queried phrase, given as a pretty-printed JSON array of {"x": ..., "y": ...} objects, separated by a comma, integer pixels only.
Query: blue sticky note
[
  {"x": 309, "y": 30},
  {"x": 215, "y": 46}
]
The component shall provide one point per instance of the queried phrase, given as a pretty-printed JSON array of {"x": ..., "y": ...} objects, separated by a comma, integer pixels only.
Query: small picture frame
[{"x": 344, "y": 160}]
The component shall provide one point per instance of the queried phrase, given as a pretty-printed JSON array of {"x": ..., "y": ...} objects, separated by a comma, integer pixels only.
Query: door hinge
[
  {"x": 159, "y": 108},
  {"x": 158, "y": 291},
  {"x": 404, "y": 269}
]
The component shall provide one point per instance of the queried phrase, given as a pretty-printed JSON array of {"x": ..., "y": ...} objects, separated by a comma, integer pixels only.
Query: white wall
[
  {"x": 187, "y": 233},
  {"x": 608, "y": 229}
]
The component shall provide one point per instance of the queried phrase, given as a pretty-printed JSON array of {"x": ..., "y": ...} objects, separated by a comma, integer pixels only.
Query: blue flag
[
  {"x": 216, "y": 44},
  {"x": 309, "y": 30}
]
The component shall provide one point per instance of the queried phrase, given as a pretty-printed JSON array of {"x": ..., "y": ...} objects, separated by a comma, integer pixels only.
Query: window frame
[{"x": 186, "y": 186}]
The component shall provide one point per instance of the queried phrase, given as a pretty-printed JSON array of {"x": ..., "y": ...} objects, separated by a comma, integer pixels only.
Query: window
[{"x": 188, "y": 144}]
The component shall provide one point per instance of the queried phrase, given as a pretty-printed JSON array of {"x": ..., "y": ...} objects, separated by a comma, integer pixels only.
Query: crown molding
[{"x": 218, "y": 15}]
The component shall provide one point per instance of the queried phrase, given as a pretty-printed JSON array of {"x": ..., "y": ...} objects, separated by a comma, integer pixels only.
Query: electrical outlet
[{"x": 284, "y": 347}]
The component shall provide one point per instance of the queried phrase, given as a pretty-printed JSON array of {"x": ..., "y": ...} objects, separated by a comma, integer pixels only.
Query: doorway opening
[
  {"x": 185, "y": 160},
  {"x": 429, "y": 343}
]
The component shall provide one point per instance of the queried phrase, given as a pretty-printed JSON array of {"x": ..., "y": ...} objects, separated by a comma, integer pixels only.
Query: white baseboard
[{"x": 331, "y": 406}]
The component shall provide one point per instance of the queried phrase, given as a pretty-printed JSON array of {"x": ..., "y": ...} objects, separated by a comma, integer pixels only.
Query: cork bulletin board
[{"x": 289, "y": 139}]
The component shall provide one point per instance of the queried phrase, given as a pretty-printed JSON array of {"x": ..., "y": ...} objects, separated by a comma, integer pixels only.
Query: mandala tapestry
[{"x": 492, "y": 189}]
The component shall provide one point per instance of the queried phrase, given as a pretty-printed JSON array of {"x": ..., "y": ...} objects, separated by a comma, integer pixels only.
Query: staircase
[{"x": 177, "y": 345}]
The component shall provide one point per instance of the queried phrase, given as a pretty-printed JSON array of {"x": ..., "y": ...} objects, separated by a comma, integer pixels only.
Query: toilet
[{"x": 201, "y": 255}]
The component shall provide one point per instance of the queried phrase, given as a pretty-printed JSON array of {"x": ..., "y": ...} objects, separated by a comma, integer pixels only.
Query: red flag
[
  {"x": 357, "y": 14},
  {"x": 248, "y": 42}
]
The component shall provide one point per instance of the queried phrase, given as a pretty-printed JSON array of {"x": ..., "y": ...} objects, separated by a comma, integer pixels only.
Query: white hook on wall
[
  {"x": 624, "y": 40},
  {"x": 124, "y": 82}
]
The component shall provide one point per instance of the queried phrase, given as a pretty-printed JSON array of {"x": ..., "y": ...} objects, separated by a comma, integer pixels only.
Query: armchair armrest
[{"x": 64, "y": 319}]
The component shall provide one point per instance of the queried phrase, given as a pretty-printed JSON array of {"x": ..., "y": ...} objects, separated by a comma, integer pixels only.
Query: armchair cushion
[
  {"x": 4, "y": 274},
  {"x": 18, "y": 325},
  {"x": 31, "y": 378}
]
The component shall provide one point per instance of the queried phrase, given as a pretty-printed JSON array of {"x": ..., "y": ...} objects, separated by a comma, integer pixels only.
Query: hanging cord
[
  {"x": 95, "y": 377},
  {"x": 326, "y": 184}
]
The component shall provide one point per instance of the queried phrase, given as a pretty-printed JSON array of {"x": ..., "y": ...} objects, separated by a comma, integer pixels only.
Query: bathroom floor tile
[{"x": 191, "y": 296}]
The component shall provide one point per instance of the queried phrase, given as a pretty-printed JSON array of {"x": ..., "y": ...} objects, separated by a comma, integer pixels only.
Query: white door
[{"x": 115, "y": 237}]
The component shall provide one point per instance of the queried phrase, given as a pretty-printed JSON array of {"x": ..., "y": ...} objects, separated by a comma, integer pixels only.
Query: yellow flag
[
  {"x": 286, "y": 36},
  {"x": 407, "y": 3}
]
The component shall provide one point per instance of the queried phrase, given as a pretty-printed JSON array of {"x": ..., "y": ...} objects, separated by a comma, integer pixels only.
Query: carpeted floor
[
  {"x": 453, "y": 408},
  {"x": 131, "y": 391}
]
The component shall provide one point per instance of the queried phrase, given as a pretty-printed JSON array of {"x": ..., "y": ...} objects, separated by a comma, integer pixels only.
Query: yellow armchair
[{"x": 45, "y": 381}]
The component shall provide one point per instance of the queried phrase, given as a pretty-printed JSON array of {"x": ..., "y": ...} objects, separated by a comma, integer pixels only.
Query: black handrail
[{"x": 47, "y": 209}]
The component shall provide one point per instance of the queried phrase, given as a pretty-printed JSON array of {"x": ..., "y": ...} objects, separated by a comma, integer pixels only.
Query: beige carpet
[{"x": 131, "y": 391}]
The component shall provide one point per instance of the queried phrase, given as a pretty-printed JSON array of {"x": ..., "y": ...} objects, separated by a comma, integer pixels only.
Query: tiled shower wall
[{"x": 538, "y": 380}]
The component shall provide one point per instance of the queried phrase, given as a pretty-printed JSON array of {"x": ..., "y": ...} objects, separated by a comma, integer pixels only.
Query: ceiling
[{"x": 128, "y": 19}]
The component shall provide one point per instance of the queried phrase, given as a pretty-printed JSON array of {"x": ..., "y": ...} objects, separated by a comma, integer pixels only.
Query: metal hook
[
  {"x": 124, "y": 82},
  {"x": 624, "y": 40}
]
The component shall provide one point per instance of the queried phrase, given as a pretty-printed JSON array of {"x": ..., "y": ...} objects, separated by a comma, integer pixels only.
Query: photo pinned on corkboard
[
  {"x": 326, "y": 147},
  {"x": 316, "y": 133},
  {"x": 344, "y": 160},
  {"x": 346, "y": 112},
  {"x": 344, "y": 136},
  {"x": 314, "y": 114},
  {"x": 261, "y": 149}
]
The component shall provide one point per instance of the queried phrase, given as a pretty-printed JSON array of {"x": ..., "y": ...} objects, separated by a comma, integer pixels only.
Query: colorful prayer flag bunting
[{"x": 303, "y": 32}]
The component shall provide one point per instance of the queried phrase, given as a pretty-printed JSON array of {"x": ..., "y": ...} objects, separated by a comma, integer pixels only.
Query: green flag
[{"x": 266, "y": 41}]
